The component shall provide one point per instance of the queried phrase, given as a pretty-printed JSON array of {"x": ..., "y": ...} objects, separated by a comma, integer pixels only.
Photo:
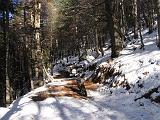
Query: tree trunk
[
  {"x": 3, "y": 66},
  {"x": 38, "y": 53},
  {"x": 135, "y": 19},
  {"x": 116, "y": 41},
  {"x": 101, "y": 44},
  {"x": 157, "y": 8},
  {"x": 140, "y": 23},
  {"x": 5, "y": 83},
  {"x": 97, "y": 42},
  {"x": 123, "y": 18},
  {"x": 8, "y": 88}
]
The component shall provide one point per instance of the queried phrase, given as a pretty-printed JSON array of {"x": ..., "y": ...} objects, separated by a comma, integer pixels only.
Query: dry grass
[{"x": 91, "y": 86}]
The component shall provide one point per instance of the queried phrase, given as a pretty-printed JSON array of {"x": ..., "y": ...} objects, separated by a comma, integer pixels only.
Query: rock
[
  {"x": 152, "y": 61},
  {"x": 157, "y": 99},
  {"x": 61, "y": 74},
  {"x": 140, "y": 85},
  {"x": 141, "y": 61},
  {"x": 158, "y": 62}
]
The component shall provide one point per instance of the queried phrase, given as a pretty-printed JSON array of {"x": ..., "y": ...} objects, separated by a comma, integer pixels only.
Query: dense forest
[{"x": 36, "y": 34}]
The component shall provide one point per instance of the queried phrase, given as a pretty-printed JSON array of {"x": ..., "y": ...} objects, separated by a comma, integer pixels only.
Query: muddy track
[{"x": 71, "y": 87}]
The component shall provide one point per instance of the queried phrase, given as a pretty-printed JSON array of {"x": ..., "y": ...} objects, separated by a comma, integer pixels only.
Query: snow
[
  {"x": 3, "y": 111},
  {"x": 58, "y": 67},
  {"x": 90, "y": 58},
  {"x": 141, "y": 67}
]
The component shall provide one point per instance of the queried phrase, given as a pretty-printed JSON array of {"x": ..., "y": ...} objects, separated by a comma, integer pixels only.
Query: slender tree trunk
[
  {"x": 3, "y": 65},
  {"x": 140, "y": 24},
  {"x": 151, "y": 15},
  {"x": 135, "y": 19},
  {"x": 5, "y": 84},
  {"x": 157, "y": 8},
  {"x": 38, "y": 53},
  {"x": 101, "y": 44},
  {"x": 8, "y": 88},
  {"x": 123, "y": 18},
  {"x": 158, "y": 21},
  {"x": 97, "y": 42}
]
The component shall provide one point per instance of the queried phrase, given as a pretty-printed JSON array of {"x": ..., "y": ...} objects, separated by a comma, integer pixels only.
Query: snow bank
[{"x": 3, "y": 111}]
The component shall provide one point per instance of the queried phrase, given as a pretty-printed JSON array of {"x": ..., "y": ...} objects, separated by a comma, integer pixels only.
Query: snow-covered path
[{"x": 117, "y": 106}]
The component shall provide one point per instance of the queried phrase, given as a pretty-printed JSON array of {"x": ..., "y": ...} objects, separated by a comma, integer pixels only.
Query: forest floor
[{"x": 142, "y": 71}]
